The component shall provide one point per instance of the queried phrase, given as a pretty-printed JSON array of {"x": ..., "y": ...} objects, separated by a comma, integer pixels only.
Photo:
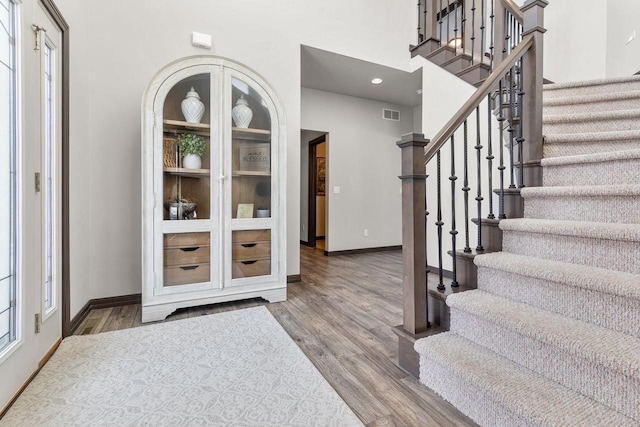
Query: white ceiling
[{"x": 330, "y": 72}]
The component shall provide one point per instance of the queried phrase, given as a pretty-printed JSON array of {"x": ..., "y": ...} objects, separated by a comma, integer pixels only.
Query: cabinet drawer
[
  {"x": 250, "y": 251},
  {"x": 186, "y": 255},
  {"x": 260, "y": 267},
  {"x": 186, "y": 239},
  {"x": 186, "y": 274},
  {"x": 251, "y": 236}
]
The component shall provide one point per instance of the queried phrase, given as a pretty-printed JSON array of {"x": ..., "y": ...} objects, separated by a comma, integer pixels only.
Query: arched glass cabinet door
[
  {"x": 186, "y": 162},
  {"x": 252, "y": 190}
]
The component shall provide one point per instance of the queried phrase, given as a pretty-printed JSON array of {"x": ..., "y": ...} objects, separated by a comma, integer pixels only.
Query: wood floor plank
[{"x": 341, "y": 316}]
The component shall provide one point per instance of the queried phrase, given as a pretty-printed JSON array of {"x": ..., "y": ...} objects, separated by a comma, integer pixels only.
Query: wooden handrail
[
  {"x": 513, "y": 9},
  {"x": 479, "y": 95}
]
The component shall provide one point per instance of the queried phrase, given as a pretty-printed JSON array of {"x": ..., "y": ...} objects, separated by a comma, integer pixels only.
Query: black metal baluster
[
  {"x": 424, "y": 12},
  {"x": 492, "y": 47},
  {"x": 479, "y": 197},
  {"x": 506, "y": 45},
  {"x": 448, "y": 22},
  {"x": 439, "y": 224},
  {"x": 455, "y": 28},
  {"x": 463, "y": 30},
  {"x": 490, "y": 159},
  {"x": 453, "y": 232},
  {"x": 501, "y": 168},
  {"x": 511, "y": 130},
  {"x": 440, "y": 22},
  {"x": 482, "y": 28},
  {"x": 420, "y": 38},
  {"x": 473, "y": 29},
  {"x": 520, "y": 138},
  {"x": 465, "y": 189}
]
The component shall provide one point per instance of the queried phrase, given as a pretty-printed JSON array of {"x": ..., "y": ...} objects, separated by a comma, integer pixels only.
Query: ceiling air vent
[{"x": 391, "y": 115}]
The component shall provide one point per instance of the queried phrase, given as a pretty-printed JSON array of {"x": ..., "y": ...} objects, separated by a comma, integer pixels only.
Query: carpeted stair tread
[
  {"x": 564, "y": 288},
  {"x": 607, "y": 136},
  {"x": 592, "y": 98},
  {"x": 497, "y": 392},
  {"x": 614, "y": 350},
  {"x": 630, "y": 190},
  {"x": 592, "y": 158},
  {"x": 592, "y": 230},
  {"x": 605, "y": 168},
  {"x": 592, "y": 86},
  {"x": 580, "y": 276},
  {"x": 608, "y": 101},
  {"x": 590, "y": 117}
]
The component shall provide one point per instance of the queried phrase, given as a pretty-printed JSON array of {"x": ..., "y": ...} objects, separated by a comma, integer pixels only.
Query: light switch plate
[{"x": 336, "y": 190}]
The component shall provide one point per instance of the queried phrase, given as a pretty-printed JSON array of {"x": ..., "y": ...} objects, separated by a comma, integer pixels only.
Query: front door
[{"x": 30, "y": 197}]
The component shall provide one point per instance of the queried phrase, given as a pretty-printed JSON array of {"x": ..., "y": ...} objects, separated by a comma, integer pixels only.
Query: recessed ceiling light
[{"x": 376, "y": 81}]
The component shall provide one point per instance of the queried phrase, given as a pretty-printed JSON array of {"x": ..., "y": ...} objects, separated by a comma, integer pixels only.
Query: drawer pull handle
[
  {"x": 248, "y": 262},
  {"x": 190, "y": 267},
  {"x": 191, "y": 249},
  {"x": 248, "y": 245}
]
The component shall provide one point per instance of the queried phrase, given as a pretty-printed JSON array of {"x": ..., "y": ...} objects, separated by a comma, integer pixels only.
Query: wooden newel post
[
  {"x": 414, "y": 255},
  {"x": 533, "y": 11}
]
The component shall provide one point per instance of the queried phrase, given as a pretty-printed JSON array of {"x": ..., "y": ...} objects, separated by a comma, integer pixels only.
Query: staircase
[{"x": 552, "y": 334}]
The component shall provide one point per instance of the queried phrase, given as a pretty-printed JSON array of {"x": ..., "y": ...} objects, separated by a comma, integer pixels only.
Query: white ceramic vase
[
  {"x": 241, "y": 113},
  {"x": 191, "y": 161},
  {"x": 192, "y": 107}
]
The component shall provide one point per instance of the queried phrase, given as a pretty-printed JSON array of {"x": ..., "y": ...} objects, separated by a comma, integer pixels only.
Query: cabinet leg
[{"x": 275, "y": 295}]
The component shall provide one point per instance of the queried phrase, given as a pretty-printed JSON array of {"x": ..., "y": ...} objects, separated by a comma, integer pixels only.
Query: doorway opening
[{"x": 314, "y": 187}]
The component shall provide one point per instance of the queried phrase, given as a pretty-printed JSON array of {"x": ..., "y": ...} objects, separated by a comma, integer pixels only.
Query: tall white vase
[
  {"x": 192, "y": 107},
  {"x": 241, "y": 113}
]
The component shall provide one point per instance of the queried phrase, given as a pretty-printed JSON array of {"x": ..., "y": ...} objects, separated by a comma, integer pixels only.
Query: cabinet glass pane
[
  {"x": 186, "y": 258},
  {"x": 187, "y": 150},
  {"x": 251, "y": 149},
  {"x": 250, "y": 253}
]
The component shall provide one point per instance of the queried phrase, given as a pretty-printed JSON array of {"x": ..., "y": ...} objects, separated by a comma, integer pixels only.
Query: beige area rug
[{"x": 237, "y": 368}]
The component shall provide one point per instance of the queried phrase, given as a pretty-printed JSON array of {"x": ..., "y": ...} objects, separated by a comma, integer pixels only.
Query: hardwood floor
[{"x": 341, "y": 316}]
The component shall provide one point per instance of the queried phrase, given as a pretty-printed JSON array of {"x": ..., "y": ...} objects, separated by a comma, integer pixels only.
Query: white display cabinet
[{"x": 213, "y": 225}]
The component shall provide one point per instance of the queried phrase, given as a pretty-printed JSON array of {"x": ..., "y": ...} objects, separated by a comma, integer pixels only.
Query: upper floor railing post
[
  {"x": 414, "y": 226},
  {"x": 533, "y": 11}
]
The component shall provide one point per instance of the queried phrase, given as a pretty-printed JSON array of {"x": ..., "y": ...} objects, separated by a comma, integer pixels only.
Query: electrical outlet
[
  {"x": 302, "y": 227},
  {"x": 366, "y": 232}
]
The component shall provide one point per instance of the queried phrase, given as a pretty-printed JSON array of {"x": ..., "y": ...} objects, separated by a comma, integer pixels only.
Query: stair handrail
[
  {"x": 478, "y": 96},
  {"x": 514, "y": 9}
]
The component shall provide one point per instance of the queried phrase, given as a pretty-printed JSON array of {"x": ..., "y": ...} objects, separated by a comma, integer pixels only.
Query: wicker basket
[{"x": 169, "y": 153}]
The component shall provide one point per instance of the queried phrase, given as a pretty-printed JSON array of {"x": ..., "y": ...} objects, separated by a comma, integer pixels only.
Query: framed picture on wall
[{"x": 321, "y": 176}]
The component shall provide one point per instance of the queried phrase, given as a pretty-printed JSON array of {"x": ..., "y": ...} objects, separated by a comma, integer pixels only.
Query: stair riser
[
  {"x": 611, "y": 254},
  {"x": 470, "y": 399},
  {"x": 591, "y": 90},
  {"x": 605, "y": 385},
  {"x": 458, "y": 64},
  {"x": 610, "y": 209},
  {"x": 603, "y": 173},
  {"x": 593, "y": 107},
  {"x": 585, "y": 126},
  {"x": 558, "y": 149},
  {"x": 610, "y": 311}
]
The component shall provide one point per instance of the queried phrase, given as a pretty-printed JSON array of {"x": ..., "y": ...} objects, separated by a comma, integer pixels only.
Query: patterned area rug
[{"x": 237, "y": 368}]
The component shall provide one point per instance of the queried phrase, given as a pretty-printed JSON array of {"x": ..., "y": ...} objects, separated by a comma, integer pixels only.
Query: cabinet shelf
[
  {"x": 191, "y": 173},
  {"x": 251, "y": 134},
  {"x": 178, "y": 124},
  {"x": 238, "y": 173}
]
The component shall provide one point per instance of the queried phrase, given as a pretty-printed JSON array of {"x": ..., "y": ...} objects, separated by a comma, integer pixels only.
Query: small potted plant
[{"x": 191, "y": 147}]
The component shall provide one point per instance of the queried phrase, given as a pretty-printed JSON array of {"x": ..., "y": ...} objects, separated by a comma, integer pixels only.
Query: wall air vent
[{"x": 391, "y": 115}]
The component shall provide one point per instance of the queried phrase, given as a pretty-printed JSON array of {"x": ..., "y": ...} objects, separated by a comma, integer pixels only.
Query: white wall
[
  {"x": 623, "y": 18},
  {"x": 576, "y": 40},
  {"x": 117, "y": 46},
  {"x": 364, "y": 161}
]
